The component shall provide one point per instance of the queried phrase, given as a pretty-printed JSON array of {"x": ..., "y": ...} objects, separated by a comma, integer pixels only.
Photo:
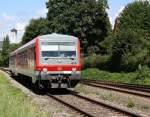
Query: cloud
[
  {"x": 8, "y": 17},
  {"x": 41, "y": 13},
  {"x": 110, "y": 17},
  {"x": 113, "y": 16},
  {"x": 6, "y": 20},
  {"x": 5, "y": 23},
  {"x": 19, "y": 22},
  {"x": 119, "y": 11},
  {"x": 20, "y": 26},
  {"x": 111, "y": 20}
]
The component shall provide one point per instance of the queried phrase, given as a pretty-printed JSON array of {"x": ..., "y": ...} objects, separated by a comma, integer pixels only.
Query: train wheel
[
  {"x": 37, "y": 88},
  {"x": 46, "y": 84}
]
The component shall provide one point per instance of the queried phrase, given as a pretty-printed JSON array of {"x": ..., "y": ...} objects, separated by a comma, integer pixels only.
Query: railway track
[
  {"x": 90, "y": 107},
  {"x": 140, "y": 90},
  {"x": 120, "y": 84},
  {"x": 101, "y": 107}
]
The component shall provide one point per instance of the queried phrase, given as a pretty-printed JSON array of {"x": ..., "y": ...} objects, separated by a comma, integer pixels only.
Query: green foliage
[
  {"x": 106, "y": 45},
  {"x": 86, "y": 19},
  {"x": 5, "y": 52},
  {"x": 125, "y": 47},
  {"x": 130, "y": 104},
  {"x": 14, "y": 46},
  {"x": 143, "y": 75},
  {"x": 136, "y": 16},
  {"x": 14, "y": 103},
  {"x": 35, "y": 28},
  {"x": 131, "y": 45},
  {"x": 109, "y": 97},
  {"x": 6, "y": 49},
  {"x": 138, "y": 77},
  {"x": 96, "y": 61}
]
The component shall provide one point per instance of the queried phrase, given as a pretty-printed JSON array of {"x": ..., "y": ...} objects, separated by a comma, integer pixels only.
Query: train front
[{"x": 59, "y": 61}]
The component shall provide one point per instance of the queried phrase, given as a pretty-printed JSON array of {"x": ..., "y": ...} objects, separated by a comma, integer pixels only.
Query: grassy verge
[
  {"x": 14, "y": 103},
  {"x": 139, "y": 77}
]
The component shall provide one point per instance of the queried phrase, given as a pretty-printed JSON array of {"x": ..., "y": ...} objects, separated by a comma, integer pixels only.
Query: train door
[{"x": 31, "y": 59}]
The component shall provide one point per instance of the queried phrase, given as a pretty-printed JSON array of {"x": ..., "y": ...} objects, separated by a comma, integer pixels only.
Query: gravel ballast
[{"x": 132, "y": 102}]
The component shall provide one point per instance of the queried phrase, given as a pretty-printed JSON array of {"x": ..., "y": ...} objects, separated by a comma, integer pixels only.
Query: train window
[
  {"x": 23, "y": 60},
  {"x": 67, "y": 48},
  {"x": 70, "y": 54},
  {"x": 67, "y": 51},
  {"x": 58, "y": 49},
  {"x": 49, "y": 53},
  {"x": 49, "y": 48}
]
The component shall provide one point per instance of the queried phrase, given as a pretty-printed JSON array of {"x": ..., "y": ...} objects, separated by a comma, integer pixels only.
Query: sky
[
  {"x": 116, "y": 7},
  {"x": 18, "y": 13}
]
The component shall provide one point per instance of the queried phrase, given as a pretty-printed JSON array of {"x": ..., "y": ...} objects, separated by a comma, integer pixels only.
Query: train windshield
[{"x": 63, "y": 50}]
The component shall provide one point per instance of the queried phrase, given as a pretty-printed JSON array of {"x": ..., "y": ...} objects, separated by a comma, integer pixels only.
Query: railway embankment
[
  {"x": 18, "y": 100},
  {"x": 15, "y": 103}
]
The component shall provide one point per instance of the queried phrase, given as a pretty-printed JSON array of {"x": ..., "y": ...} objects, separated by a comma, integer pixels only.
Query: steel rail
[
  {"x": 118, "y": 89},
  {"x": 114, "y": 107},
  {"x": 120, "y": 86},
  {"x": 70, "y": 106},
  {"x": 99, "y": 103},
  {"x": 119, "y": 83}
]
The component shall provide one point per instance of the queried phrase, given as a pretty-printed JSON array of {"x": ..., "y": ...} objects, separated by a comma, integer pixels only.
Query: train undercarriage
[{"x": 47, "y": 80}]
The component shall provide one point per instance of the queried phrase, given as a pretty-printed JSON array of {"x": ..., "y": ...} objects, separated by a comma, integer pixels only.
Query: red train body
[{"x": 50, "y": 60}]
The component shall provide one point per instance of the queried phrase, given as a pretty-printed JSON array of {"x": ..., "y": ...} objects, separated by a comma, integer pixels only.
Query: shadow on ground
[{"x": 26, "y": 82}]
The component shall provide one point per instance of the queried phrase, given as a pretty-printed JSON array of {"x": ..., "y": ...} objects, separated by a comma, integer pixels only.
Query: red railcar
[{"x": 50, "y": 60}]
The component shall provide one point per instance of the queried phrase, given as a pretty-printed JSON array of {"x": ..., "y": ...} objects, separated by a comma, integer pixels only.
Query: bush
[
  {"x": 96, "y": 61},
  {"x": 131, "y": 45},
  {"x": 105, "y": 75},
  {"x": 142, "y": 75},
  {"x": 129, "y": 50},
  {"x": 131, "y": 62},
  {"x": 102, "y": 62}
]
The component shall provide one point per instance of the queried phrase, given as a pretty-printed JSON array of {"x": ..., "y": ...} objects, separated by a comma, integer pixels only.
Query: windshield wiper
[
  {"x": 46, "y": 58},
  {"x": 72, "y": 58}
]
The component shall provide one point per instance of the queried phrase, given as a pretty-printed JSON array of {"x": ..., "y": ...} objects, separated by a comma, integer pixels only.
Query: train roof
[{"x": 53, "y": 36}]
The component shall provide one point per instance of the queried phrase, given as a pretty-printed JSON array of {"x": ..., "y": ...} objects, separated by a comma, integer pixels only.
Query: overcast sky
[{"x": 17, "y": 13}]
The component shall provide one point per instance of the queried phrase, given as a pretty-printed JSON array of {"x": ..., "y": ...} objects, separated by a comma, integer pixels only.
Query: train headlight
[
  {"x": 44, "y": 69},
  {"x": 74, "y": 69}
]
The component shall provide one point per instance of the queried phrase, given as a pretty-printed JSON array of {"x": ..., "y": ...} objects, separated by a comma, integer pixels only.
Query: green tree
[
  {"x": 35, "y": 28},
  {"x": 5, "y": 51},
  {"x": 136, "y": 16},
  {"x": 131, "y": 46},
  {"x": 14, "y": 46},
  {"x": 86, "y": 19}
]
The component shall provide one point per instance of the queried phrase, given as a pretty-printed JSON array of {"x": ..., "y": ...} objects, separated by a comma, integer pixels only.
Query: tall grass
[
  {"x": 139, "y": 77},
  {"x": 14, "y": 103}
]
